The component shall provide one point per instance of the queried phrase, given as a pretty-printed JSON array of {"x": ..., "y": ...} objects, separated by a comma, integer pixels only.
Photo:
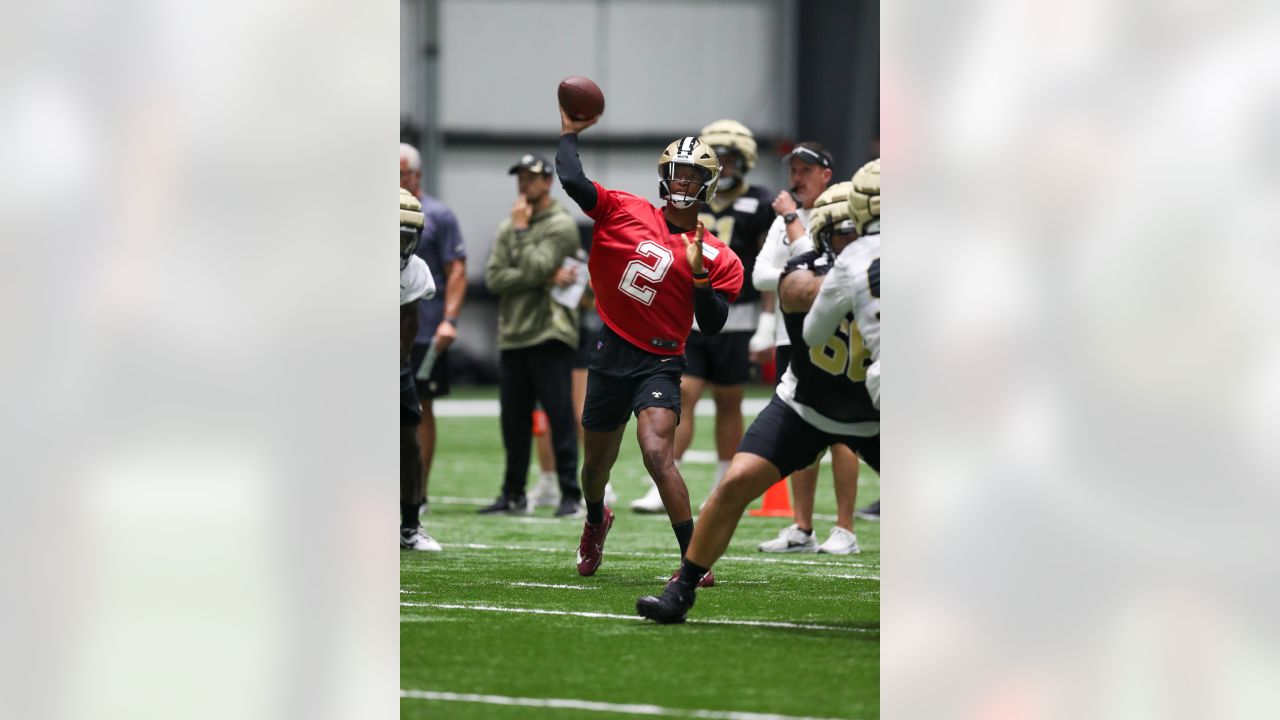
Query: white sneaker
[
  {"x": 546, "y": 492},
  {"x": 840, "y": 542},
  {"x": 650, "y": 503},
  {"x": 790, "y": 540},
  {"x": 610, "y": 496},
  {"x": 415, "y": 539}
]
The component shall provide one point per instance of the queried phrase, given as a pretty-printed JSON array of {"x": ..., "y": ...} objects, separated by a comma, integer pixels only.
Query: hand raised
[
  {"x": 693, "y": 249},
  {"x": 569, "y": 125},
  {"x": 520, "y": 213}
]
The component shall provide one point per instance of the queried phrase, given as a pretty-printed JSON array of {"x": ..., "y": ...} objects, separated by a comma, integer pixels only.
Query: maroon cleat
[
  {"x": 707, "y": 580},
  {"x": 591, "y": 547}
]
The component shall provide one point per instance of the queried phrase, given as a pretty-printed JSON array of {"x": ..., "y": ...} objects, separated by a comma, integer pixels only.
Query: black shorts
[
  {"x": 410, "y": 408},
  {"x": 782, "y": 437},
  {"x": 781, "y": 359},
  {"x": 720, "y": 359},
  {"x": 622, "y": 380},
  {"x": 588, "y": 331},
  {"x": 437, "y": 383}
]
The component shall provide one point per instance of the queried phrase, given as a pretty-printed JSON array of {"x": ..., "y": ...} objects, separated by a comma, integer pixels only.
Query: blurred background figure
[
  {"x": 445, "y": 254},
  {"x": 415, "y": 284},
  {"x": 534, "y": 271}
]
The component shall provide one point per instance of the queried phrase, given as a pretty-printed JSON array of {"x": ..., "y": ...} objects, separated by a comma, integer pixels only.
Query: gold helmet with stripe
[
  {"x": 695, "y": 153},
  {"x": 830, "y": 216},
  {"x": 735, "y": 136},
  {"x": 864, "y": 198},
  {"x": 410, "y": 225}
]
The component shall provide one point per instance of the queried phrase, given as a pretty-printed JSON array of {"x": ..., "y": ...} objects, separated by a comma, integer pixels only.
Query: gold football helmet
[
  {"x": 864, "y": 198},
  {"x": 735, "y": 136},
  {"x": 830, "y": 216},
  {"x": 410, "y": 225},
  {"x": 695, "y": 153}
]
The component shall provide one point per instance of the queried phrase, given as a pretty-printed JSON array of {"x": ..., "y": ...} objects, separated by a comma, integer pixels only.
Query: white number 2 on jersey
[{"x": 637, "y": 270}]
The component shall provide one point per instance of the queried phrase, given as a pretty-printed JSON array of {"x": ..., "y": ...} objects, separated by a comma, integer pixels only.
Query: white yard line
[
  {"x": 489, "y": 408},
  {"x": 835, "y": 564},
  {"x": 612, "y": 616},
  {"x": 620, "y": 708},
  {"x": 551, "y": 585}
]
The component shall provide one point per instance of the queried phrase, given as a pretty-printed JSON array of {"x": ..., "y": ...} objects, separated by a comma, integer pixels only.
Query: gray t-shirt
[{"x": 441, "y": 244}]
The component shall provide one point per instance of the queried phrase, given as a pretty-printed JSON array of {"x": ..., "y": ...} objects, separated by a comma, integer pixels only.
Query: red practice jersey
[{"x": 642, "y": 281}]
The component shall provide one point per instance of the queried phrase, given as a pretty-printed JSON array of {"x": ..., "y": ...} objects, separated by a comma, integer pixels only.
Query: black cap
[
  {"x": 533, "y": 162},
  {"x": 810, "y": 152}
]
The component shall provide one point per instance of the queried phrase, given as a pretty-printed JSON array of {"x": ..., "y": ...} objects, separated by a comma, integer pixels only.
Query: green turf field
[{"x": 778, "y": 635}]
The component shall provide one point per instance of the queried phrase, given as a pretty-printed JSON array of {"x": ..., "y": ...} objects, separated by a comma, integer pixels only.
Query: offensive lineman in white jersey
[
  {"x": 853, "y": 285},
  {"x": 415, "y": 284}
]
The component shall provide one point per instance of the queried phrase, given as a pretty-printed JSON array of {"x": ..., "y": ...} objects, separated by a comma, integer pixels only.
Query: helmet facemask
[
  {"x": 408, "y": 243},
  {"x": 706, "y": 181},
  {"x": 845, "y": 231}
]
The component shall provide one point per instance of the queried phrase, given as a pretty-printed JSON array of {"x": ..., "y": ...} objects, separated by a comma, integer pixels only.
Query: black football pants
[{"x": 542, "y": 373}]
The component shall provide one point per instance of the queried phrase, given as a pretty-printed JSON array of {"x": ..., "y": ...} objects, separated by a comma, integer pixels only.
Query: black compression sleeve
[
  {"x": 711, "y": 308},
  {"x": 572, "y": 178}
]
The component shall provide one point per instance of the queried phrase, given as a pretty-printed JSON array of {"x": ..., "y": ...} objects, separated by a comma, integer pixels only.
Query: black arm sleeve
[
  {"x": 711, "y": 308},
  {"x": 572, "y": 178}
]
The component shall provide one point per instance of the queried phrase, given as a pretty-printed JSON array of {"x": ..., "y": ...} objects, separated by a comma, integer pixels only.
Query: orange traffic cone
[{"x": 777, "y": 501}]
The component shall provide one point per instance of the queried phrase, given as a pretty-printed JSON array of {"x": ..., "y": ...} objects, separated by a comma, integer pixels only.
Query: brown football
[{"x": 580, "y": 97}]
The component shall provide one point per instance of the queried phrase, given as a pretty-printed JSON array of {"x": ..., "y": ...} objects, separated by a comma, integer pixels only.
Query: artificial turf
[{"x": 819, "y": 657}]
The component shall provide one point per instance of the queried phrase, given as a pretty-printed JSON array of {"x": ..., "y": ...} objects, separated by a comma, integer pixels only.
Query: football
[{"x": 580, "y": 97}]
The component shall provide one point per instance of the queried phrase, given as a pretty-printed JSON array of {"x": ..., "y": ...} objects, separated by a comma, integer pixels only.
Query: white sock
[
  {"x": 721, "y": 467},
  {"x": 550, "y": 476}
]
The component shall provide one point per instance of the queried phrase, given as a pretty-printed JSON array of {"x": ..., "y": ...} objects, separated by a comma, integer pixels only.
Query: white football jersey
[
  {"x": 852, "y": 287},
  {"x": 772, "y": 259},
  {"x": 415, "y": 281}
]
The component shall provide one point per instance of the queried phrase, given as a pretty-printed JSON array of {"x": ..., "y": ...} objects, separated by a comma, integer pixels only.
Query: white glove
[
  {"x": 873, "y": 383},
  {"x": 766, "y": 333}
]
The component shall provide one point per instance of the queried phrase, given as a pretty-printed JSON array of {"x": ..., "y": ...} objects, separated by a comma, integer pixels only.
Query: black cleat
[
  {"x": 508, "y": 505},
  {"x": 670, "y": 607},
  {"x": 870, "y": 512}
]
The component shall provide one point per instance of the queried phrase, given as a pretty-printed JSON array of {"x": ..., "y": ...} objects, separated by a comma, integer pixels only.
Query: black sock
[
  {"x": 806, "y": 532},
  {"x": 408, "y": 515},
  {"x": 684, "y": 533},
  {"x": 595, "y": 512},
  {"x": 690, "y": 574}
]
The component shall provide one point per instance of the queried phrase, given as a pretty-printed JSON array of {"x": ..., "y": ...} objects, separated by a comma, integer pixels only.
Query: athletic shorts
[
  {"x": 410, "y": 408},
  {"x": 622, "y": 380},
  {"x": 720, "y": 359},
  {"x": 588, "y": 331},
  {"x": 436, "y": 384},
  {"x": 782, "y": 437}
]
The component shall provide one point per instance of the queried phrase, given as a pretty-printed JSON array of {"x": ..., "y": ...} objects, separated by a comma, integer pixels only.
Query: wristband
[
  {"x": 702, "y": 275},
  {"x": 452, "y": 321},
  {"x": 789, "y": 218}
]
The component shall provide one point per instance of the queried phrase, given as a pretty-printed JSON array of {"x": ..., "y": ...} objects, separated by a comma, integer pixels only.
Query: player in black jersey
[
  {"x": 821, "y": 401},
  {"x": 740, "y": 214}
]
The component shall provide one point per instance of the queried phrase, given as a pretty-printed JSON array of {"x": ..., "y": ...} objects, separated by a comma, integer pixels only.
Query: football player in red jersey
[{"x": 652, "y": 269}]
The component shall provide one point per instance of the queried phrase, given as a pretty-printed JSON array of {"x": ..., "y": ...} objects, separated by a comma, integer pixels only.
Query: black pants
[{"x": 542, "y": 373}]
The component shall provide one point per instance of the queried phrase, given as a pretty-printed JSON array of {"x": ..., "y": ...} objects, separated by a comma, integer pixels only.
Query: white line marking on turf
[
  {"x": 613, "y": 616},
  {"x": 549, "y": 585},
  {"x": 849, "y": 577},
  {"x": 622, "y": 708},
  {"x": 612, "y": 553},
  {"x": 491, "y": 408}
]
